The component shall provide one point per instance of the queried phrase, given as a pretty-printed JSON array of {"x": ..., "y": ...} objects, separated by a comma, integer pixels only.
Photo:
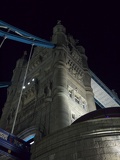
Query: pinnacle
[{"x": 59, "y": 22}]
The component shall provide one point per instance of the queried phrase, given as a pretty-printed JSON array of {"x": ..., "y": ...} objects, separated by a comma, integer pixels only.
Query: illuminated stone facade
[
  {"x": 57, "y": 90},
  {"x": 91, "y": 140}
]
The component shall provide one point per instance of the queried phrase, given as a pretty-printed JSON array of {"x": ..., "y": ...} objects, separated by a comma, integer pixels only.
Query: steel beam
[
  {"x": 4, "y": 84},
  {"x": 26, "y": 40},
  {"x": 19, "y": 31}
]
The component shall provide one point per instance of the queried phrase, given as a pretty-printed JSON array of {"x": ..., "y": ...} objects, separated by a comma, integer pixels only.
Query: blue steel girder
[
  {"x": 4, "y": 84},
  {"x": 12, "y": 28},
  {"x": 25, "y": 40},
  {"x": 23, "y": 36}
]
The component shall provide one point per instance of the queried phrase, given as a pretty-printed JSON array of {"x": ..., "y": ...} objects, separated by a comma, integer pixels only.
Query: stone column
[
  {"x": 60, "y": 113},
  {"x": 89, "y": 92},
  {"x": 91, "y": 101}
]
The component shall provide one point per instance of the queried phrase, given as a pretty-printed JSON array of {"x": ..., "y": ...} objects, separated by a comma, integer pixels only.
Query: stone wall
[{"x": 90, "y": 140}]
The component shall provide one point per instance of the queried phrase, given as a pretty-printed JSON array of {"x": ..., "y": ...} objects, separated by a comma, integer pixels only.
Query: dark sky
[{"x": 94, "y": 23}]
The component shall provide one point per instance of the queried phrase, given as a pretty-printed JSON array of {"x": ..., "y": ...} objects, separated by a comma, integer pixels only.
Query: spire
[
  {"x": 59, "y": 28},
  {"x": 59, "y": 22},
  {"x": 81, "y": 49},
  {"x": 22, "y": 60},
  {"x": 59, "y": 34},
  {"x": 25, "y": 53}
]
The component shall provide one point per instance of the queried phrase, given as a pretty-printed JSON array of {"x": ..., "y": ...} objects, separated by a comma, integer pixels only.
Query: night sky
[{"x": 94, "y": 23}]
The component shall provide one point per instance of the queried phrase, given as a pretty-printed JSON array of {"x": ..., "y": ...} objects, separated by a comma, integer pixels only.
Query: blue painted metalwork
[
  {"x": 21, "y": 36},
  {"x": 29, "y": 137},
  {"x": 23, "y": 33},
  {"x": 26, "y": 40},
  {"x": 13, "y": 147},
  {"x": 4, "y": 84}
]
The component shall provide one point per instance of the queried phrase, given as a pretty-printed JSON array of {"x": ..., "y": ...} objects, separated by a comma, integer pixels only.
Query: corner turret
[{"x": 59, "y": 34}]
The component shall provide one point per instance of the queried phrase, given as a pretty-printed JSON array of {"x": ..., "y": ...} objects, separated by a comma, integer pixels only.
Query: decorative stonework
[
  {"x": 73, "y": 93},
  {"x": 29, "y": 95},
  {"x": 76, "y": 57},
  {"x": 34, "y": 64},
  {"x": 74, "y": 69},
  {"x": 54, "y": 94},
  {"x": 11, "y": 116},
  {"x": 30, "y": 91}
]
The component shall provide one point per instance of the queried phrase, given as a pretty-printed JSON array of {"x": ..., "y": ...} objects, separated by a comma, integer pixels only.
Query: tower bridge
[
  {"x": 55, "y": 87},
  {"x": 104, "y": 97}
]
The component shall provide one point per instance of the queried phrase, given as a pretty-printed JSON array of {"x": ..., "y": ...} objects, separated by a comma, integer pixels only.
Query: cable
[
  {"x": 16, "y": 113},
  {"x": 3, "y": 41}
]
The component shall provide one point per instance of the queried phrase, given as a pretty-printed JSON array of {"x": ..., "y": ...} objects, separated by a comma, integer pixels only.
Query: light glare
[
  {"x": 23, "y": 87},
  {"x": 31, "y": 142}
]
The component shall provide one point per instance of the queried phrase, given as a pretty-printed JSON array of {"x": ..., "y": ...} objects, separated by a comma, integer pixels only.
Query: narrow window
[
  {"x": 76, "y": 99},
  {"x": 70, "y": 94},
  {"x": 73, "y": 116}
]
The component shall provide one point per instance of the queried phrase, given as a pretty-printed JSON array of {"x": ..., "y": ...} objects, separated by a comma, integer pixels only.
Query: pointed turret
[
  {"x": 59, "y": 34},
  {"x": 19, "y": 67},
  {"x": 22, "y": 60}
]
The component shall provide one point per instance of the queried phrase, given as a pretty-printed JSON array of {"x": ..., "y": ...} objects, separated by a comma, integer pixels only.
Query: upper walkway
[{"x": 104, "y": 97}]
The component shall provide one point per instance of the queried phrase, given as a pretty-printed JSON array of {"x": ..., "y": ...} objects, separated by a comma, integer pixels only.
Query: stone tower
[{"x": 57, "y": 89}]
